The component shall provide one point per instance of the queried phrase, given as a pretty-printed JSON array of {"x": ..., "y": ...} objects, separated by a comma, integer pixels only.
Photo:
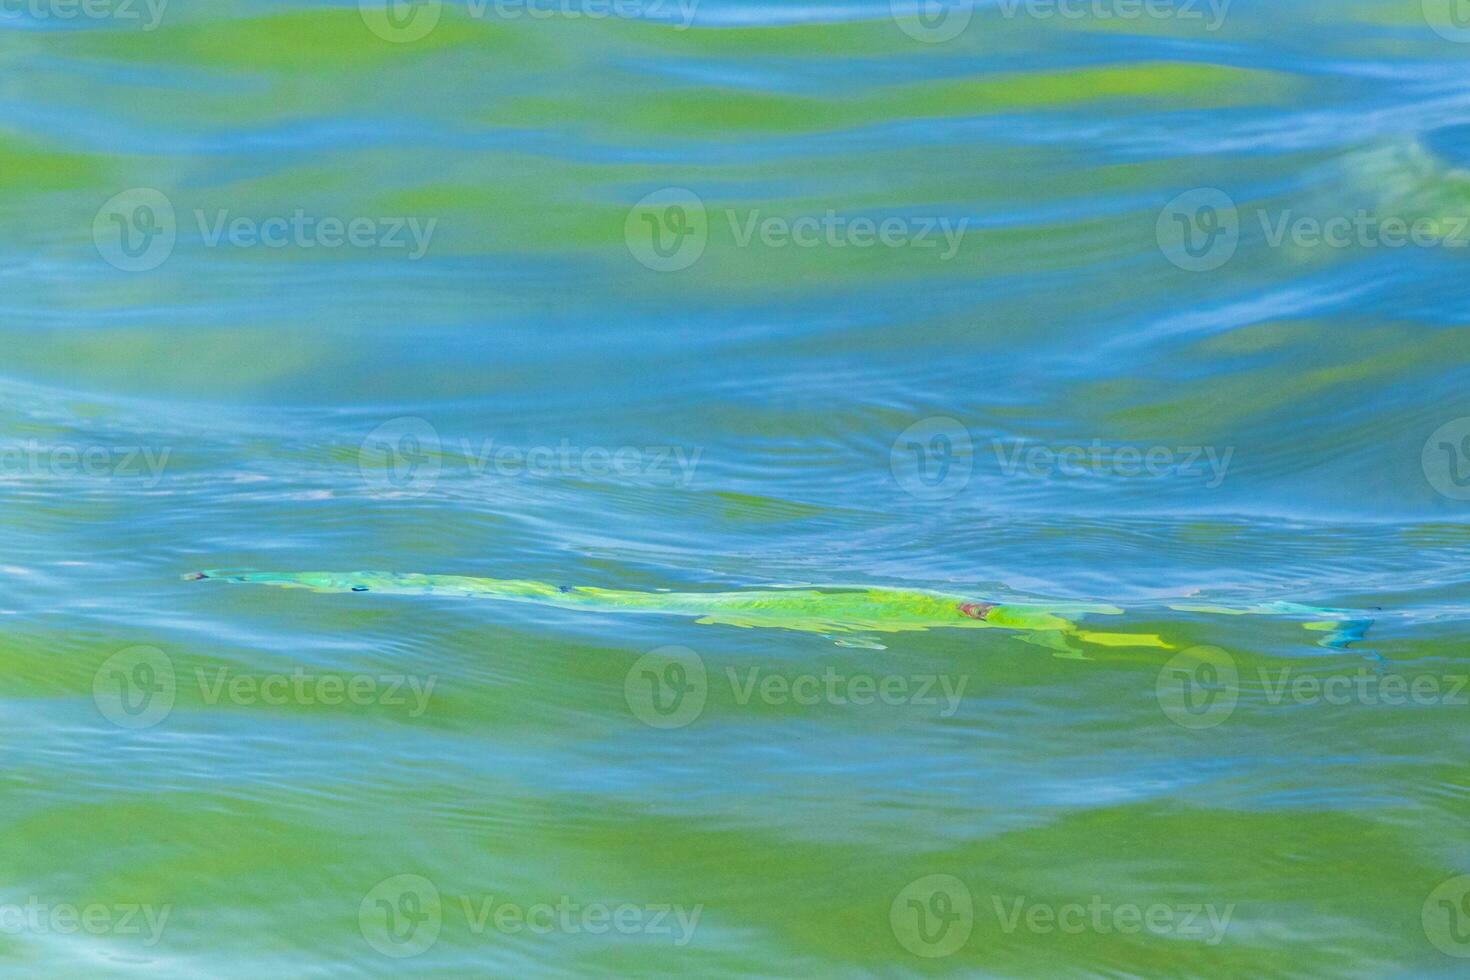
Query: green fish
[{"x": 849, "y": 616}]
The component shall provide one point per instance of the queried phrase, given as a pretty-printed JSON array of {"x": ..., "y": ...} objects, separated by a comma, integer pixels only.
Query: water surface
[{"x": 781, "y": 294}]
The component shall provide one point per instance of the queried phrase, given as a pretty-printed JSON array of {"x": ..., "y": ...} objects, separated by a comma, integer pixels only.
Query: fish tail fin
[{"x": 1341, "y": 633}]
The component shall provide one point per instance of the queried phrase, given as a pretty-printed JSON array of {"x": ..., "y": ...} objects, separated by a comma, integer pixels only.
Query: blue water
[{"x": 620, "y": 313}]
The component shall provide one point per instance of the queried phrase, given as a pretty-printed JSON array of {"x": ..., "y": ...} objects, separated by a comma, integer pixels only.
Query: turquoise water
[{"x": 1142, "y": 309}]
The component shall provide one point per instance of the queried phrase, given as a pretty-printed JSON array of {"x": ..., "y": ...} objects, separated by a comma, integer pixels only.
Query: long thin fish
[{"x": 845, "y": 612}]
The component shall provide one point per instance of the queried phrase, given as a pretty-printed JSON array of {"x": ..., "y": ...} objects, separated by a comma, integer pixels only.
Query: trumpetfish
[{"x": 844, "y": 614}]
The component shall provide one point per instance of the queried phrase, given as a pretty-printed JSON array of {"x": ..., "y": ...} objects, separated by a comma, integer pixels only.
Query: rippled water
[{"x": 1073, "y": 303}]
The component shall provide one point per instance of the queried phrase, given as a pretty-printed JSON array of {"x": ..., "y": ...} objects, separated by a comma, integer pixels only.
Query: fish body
[
  {"x": 829, "y": 611},
  {"x": 825, "y": 609}
]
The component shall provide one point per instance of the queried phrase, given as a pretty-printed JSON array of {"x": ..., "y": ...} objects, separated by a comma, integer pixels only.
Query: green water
[{"x": 988, "y": 302}]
